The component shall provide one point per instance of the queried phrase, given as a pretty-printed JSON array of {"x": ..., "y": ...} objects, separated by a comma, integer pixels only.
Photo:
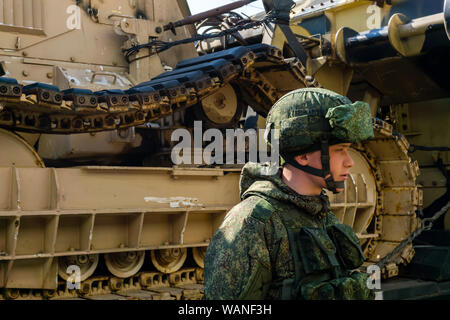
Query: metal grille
[{"x": 21, "y": 15}]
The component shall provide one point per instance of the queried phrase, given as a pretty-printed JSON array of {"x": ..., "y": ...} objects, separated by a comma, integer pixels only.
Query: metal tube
[
  {"x": 207, "y": 14},
  {"x": 419, "y": 26}
]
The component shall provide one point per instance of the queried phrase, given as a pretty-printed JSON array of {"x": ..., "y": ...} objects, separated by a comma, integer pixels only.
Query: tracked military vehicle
[{"x": 92, "y": 203}]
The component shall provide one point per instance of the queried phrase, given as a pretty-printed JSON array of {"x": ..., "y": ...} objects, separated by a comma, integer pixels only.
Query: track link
[
  {"x": 43, "y": 108},
  {"x": 185, "y": 284},
  {"x": 397, "y": 200}
]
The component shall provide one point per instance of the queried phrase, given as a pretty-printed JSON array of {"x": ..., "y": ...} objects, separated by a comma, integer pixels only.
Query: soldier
[{"x": 282, "y": 241}]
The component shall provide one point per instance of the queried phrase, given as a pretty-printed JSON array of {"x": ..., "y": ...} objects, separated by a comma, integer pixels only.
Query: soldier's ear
[{"x": 302, "y": 159}]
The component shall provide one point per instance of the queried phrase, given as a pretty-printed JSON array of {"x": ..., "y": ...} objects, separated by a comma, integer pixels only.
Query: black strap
[
  {"x": 325, "y": 160},
  {"x": 294, "y": 44}
]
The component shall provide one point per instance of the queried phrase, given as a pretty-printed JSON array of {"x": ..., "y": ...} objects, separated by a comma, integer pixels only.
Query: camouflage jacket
[{"x": 249, "y": 256}]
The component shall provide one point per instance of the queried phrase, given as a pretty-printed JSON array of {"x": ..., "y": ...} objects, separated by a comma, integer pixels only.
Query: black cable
[
  {"x": 415, "y": 147},
  {"x": 161, "y": 46},
  {"x": 424, "y": 148}
]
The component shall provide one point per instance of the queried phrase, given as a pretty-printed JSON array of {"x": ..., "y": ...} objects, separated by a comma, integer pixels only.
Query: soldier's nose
[{"x": 349, "y": 161}]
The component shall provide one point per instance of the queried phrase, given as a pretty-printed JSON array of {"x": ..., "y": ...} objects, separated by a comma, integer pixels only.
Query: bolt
[
  {"x": 49, "y": 75},
  {"x": 158, "y": 29},
  {"x": 25, "y": 53},
  {"x": 25, "y": 73},
  {"x": 16, "y": 90}
]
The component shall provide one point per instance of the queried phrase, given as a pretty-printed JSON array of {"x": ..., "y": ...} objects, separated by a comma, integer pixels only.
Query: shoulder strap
[{"x": 263, "y": 210}]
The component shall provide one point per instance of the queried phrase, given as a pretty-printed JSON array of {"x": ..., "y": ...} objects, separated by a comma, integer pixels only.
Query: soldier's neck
[{"x": 301, "y": 182}]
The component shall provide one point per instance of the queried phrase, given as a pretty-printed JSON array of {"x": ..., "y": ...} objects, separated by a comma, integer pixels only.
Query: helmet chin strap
[{"x": 325, "y": 160}]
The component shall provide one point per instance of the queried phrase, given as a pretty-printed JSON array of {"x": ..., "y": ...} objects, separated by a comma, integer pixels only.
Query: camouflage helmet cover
[{"x": 307, "y": 116}]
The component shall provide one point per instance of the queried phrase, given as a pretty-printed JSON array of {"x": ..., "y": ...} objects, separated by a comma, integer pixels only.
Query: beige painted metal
[
  {"x": 40, "y": 35},
  {"x": 107, "y": 143},
  {"x": 47, "y": 213},
  {"x": 406, "y": 37},
  {"x": 15, "y": 151},
  {"x": 68, "y": 29},
  {"x": 86, "y": 263},
  {"x": 422, "y": 123},
  {"x": 220, "y": 107},
  {"x": 168, "y": 260},
  {"x": 124, "y": 264},
  {"x": 21, "y": 15},
  {"x": 199, "y": 255},
  {"x": 334, "y": 76}
]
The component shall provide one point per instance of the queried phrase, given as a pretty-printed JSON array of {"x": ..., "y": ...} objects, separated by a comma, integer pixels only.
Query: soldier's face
[{"x": 340, "y": 163}]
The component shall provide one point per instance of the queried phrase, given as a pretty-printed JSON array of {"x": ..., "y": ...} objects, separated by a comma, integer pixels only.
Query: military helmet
[{"x": 311, "y": 119}]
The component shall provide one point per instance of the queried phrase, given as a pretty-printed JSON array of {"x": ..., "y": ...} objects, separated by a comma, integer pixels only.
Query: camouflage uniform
[{"x": 277, "y": 244}]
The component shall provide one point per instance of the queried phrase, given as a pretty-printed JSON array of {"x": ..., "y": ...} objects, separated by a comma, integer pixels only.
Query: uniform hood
[{"x": 255, "y": 180}]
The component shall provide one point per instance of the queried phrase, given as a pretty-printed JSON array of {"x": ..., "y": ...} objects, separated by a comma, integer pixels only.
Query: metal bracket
[{"x": 139, "y": 27}]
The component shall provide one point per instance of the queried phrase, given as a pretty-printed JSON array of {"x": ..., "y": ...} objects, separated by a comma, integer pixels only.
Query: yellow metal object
[
  {"x": 168, "y": 260},
  {"x": 401, "y": 39},
  {"x": 124, "y": 264},
  {"x": 220, "y": 107},
  {"x": 335, "y": 77},
  {"x": 199, "y": 255},
  {"x": 86, "y": 264}
]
